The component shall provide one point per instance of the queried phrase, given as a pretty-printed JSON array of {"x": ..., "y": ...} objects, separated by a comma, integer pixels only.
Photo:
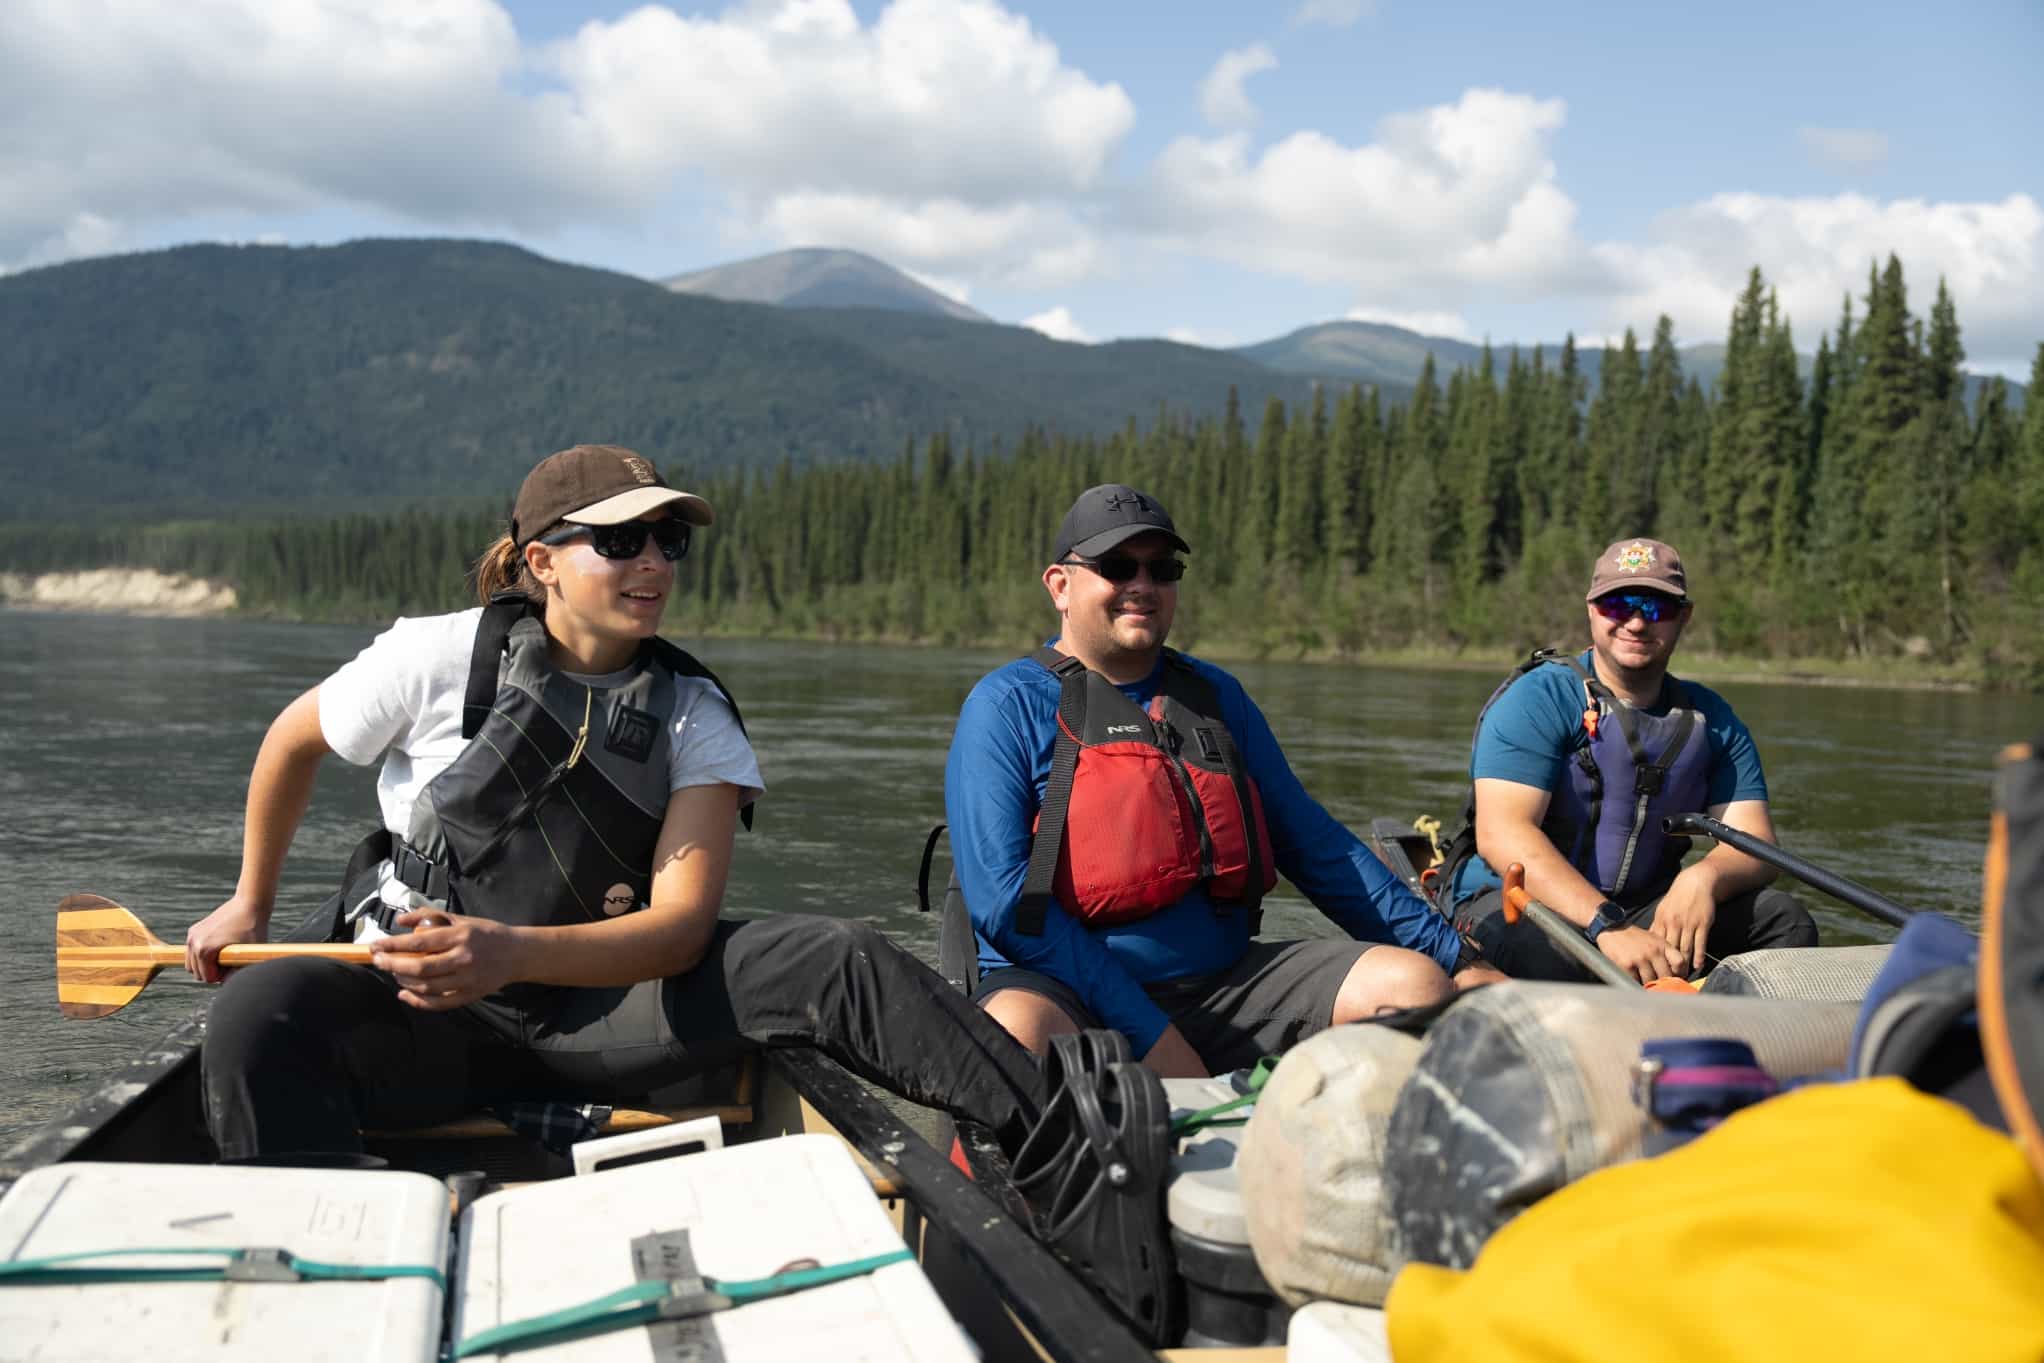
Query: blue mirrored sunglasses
[{"x": 1652, "y": 607}]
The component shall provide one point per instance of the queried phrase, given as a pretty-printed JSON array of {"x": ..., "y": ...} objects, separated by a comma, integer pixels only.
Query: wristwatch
[{"x": 1609, "y": 915}]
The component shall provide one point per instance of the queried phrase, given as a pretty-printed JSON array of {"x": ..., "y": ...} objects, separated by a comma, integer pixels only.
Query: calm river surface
[{"x": 125, "y": 747}]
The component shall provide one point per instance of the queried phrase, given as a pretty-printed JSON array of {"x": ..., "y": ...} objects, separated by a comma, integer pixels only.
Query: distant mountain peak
[{"x": 820, "y": 277}]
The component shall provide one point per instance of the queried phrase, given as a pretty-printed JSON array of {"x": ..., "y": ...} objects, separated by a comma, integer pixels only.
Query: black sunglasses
[
  {"x": 1653, "y": 607},
  {"x": 1120, "y": 568},
  {"x": 627, "y": 539}
]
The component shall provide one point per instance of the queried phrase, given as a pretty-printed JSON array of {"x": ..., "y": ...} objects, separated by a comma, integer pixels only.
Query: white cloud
[
  {"x": 432, "y": 111},
  {"x": 1200, "y": 336},
  {"x": 1332, "y": 13},
  {"x": 1058, "y": 324},
  {"x": 1445, "y": 201},
  {"x": 124, "y": 112},
  {"x": 937, "y": 98},
  {"x": 1451, "y": 325},
  {"x": 1844, "y": 148},
  {"x": 1222, "y": 100},
  {"x": 1816, "y": 250}
]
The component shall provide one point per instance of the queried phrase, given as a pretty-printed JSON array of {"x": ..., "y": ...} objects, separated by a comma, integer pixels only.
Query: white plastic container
[
  {"x": 1204, "y": 1195},
  {"x": 1335, "y": 1332},
  {"x": 333, "y": 1216},
  {"x": 749, "y": 1211},
  {"x": 1227, "y": 1301}
]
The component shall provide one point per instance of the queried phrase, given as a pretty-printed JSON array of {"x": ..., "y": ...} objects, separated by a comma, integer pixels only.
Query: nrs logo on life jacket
[{"x": 1143, "y": 808}]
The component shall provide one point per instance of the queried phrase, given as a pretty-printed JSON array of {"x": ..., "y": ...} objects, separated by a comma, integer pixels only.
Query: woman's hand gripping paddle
[{"x": 105, "y": 956}]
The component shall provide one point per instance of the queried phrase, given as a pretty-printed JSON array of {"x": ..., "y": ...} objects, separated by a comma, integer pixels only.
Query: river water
[{"x": 125, "y": 747}]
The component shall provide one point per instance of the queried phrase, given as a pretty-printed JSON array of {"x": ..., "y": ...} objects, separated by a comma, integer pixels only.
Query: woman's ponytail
[{"x": 502, "y": 569}]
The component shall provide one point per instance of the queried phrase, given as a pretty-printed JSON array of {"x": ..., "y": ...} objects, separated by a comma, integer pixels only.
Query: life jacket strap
[
  {"x": 1057, "y": 793},
  {"x": 1218, "y": 745}
]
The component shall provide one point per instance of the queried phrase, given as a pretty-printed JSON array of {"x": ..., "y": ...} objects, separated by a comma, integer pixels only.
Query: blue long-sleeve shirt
[{"x": 994, "y": 782}]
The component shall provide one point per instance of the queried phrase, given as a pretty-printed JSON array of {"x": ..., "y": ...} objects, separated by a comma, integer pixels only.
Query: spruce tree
[{"x": 1344, "y": 508}]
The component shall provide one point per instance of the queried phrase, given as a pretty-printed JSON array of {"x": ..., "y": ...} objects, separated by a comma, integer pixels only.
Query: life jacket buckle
[
  {"x": 1646, "y": 781},
  {"x": 416, "y": 871}
]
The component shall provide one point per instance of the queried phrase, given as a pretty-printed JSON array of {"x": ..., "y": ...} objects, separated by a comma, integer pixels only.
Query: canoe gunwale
[
  {"x": 100, "y": 1111},
  {"x": 1068, "y": 1322}
]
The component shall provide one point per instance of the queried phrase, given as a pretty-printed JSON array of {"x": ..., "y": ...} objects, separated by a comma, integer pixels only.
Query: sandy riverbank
[{"x": 116, "y": 591}]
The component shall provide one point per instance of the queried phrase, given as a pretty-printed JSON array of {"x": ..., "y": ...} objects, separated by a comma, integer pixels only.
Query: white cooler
[
  {"x": 748, "y": 1212},
  {"x": 378, "y": 1219},
  {"x": 1227, "y": 1301}
]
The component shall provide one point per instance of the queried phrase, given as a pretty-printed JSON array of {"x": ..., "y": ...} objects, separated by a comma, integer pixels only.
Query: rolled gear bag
[
  {"x": 1523, "y": 1088},
  {"x": 1838, "y": 974},
  {"x": 1312, "y": 1166},
  {"x": 1865, "y": 1221}
]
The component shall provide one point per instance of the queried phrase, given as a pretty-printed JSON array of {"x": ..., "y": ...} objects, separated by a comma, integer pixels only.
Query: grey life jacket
[{"x": 550, "y": 814}]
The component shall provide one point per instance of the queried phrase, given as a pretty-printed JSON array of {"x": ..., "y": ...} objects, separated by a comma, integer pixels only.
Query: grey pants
[{"x": 1766, "y": 917}]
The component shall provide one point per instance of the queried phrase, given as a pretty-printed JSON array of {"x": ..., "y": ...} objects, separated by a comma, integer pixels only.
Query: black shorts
[{"x": 1276, "y": 995}]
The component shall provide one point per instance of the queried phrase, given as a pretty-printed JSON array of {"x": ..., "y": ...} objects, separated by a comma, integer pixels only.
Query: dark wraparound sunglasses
[
  {"x": 1120, "y": 568},
  {"x": 1652, "y": 607},
  {"x": 627, "y": 539}
]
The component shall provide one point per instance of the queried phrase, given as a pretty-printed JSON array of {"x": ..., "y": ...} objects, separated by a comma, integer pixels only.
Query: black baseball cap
[{"x": 1104, "y": 516}]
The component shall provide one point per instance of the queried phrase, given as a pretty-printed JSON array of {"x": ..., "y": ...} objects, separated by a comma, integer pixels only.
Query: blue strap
[
  {"x": 661, "y": 1299},
  {"x": 254, "y": 1265}
]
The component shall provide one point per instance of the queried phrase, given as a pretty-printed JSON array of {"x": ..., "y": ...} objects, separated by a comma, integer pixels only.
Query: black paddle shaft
[{"x": 1838, "y": 887}]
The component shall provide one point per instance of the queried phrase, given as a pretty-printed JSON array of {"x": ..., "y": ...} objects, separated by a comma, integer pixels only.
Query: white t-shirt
[{"x": 400, "y": 699}]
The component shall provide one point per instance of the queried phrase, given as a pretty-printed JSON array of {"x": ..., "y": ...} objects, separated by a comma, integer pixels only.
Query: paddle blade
[{"x": 105, "y": 956}]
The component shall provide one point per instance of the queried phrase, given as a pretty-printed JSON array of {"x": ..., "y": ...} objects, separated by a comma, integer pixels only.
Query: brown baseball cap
[
  {"x": 597, "y": 485},
  {"x": 1638, "y": 564}
]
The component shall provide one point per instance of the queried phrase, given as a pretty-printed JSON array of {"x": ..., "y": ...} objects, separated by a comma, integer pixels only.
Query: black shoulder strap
[
  {"x": 957, "y": 947},
  {"x": 923, "y": 870},
  {"x": 493, "y": 636},
  {"x": 682, "y": 663},
  {"x": 1057, "y": 794}
]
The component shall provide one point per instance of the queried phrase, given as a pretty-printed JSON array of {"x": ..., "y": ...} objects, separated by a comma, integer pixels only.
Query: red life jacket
[{"x": 1143, "y": 808}]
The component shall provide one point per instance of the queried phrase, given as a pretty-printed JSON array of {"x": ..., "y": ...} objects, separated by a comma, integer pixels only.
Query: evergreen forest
[{"x": 1864, "y": 512}]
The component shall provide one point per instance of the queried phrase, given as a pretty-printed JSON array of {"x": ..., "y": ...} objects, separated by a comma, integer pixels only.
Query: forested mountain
[
  {"x": 206, "y": 378},
  {"x": 1392, "y": 357},
  {"x": 813, "y": 277},
  {"x": 1862, "y": 513}
]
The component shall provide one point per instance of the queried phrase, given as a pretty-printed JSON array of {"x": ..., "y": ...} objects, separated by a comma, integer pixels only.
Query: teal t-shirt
[{"x": 1537, "y": 725}]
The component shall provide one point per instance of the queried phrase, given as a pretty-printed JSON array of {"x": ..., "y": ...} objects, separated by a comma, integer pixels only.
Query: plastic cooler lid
[
  {"x": 362, "y": 1217},
  {"x": 748, "y": 1211},
  {"x": 1203, "y": 1195}
]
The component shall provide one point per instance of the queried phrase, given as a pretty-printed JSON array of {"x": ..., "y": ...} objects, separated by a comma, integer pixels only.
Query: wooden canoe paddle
[{"x": 106, "y": 956}]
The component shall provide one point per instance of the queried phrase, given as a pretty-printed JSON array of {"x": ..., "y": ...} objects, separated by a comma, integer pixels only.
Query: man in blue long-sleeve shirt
[{"x": 1184, "y": 980}]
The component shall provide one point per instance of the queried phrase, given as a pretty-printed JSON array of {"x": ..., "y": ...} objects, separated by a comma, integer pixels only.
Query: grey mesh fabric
[
  {"x": 1523, "y": 1088},
  {"x": 1840, "y": 974},
  {"x": 1312, "y": 1166}
]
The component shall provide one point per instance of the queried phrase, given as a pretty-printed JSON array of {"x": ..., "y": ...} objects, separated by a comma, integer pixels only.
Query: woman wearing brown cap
[{"x": 560, "y": 790}]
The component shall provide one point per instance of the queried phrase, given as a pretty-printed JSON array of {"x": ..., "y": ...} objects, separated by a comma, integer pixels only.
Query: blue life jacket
[{"x": 1631, "y": 769}]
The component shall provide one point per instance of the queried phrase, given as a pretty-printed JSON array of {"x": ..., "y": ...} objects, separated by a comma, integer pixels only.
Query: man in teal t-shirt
[{"x": 1576, "y": 762}]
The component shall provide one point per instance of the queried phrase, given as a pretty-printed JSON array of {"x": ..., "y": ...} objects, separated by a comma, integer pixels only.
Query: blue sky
[{"x": 1217, "y": 172}]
